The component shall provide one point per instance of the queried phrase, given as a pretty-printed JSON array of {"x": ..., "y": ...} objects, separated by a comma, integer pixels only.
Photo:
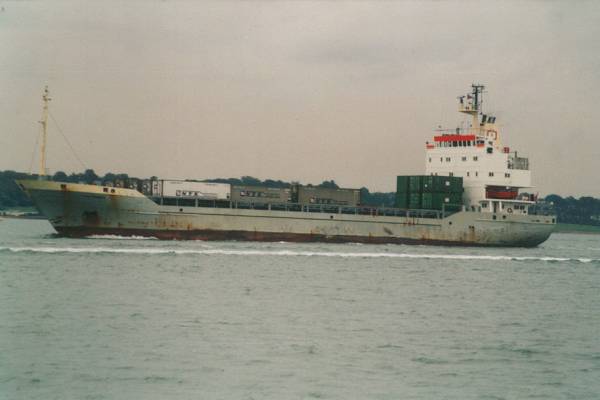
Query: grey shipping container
[
  {"x": 260, "y": 194},
  {"x": 320, "y": 195}
]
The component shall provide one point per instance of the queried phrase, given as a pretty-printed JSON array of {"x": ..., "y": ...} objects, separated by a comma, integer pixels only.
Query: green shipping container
[
  {"x": 445, "y": 184},
  {"x": 414, "y": 200},
  {"x": 429, "y": 192},
  {"x": 427, "y": 201},
  {"x": 439, "y": 201},
  {"x": 456, "y": 198},
  {"x": 456, "y": 185},
  {"x": 427, "y": 183},
  {"x": 414, "y": 183},
  {"x": 402, "y": 184}
]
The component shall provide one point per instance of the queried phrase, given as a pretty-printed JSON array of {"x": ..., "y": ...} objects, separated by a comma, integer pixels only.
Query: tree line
[
  {"x": 584, "y": 210},
  {"x": 11, "y": 196}
]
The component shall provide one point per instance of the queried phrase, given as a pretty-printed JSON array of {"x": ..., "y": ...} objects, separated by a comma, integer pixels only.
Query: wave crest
[
  {"x": 284, "y": 253},
  {"x": 118, "y": 237}
]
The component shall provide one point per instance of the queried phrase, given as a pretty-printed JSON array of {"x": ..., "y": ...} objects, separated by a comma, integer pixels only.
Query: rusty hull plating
[{"x": 78, "y": 210}]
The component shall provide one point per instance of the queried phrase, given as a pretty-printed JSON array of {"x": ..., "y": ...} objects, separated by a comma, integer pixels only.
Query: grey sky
[{"x": 298, "y": 90}]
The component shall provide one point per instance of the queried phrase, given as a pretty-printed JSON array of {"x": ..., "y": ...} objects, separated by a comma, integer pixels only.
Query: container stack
[
  {"x": 401, "y": 192},
  {"x": 415, "y": 184},
  {"x": 429, "y": 192},
  {"x": 329, "y": 196},
  {"x": 260, "y": 194},
  {"x": 191, "y": 189}
]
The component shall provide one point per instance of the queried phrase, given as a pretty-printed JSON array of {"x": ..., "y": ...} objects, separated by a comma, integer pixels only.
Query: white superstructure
[{"x": 492, "y": 174}]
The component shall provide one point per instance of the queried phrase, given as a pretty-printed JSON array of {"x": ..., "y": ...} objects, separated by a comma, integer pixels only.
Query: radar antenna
[{"x": 471, "y": 103}]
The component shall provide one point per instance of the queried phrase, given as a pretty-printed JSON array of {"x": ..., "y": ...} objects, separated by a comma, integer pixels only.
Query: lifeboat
[{"x": 502, "y": 193}]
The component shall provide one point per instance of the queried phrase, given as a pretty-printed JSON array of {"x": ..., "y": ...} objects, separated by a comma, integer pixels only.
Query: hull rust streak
[{"x": 84, "y": 210}]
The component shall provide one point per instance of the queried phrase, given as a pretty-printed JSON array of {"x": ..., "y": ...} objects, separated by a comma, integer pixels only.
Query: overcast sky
[{"x": 298, "y": 90}]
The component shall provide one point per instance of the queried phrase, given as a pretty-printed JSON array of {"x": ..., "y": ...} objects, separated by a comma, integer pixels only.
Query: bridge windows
[
  {"x": 491, "y": 174},
  {"x": 464, "y": 158},
  {"x": 474, "y": 158},
  {"x": 447, "y": 142}
]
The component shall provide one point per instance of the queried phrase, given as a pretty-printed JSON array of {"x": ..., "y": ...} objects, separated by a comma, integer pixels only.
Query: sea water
[{"x": 115, "y": 318}]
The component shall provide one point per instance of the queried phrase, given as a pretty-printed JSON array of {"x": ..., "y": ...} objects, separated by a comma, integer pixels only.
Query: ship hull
[
  {"x": 76, "y": 210},
  {"x": 255, "y": 236}
]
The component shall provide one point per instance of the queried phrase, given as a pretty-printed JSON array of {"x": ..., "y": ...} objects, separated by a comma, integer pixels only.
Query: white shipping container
[
  {"x": 156, "y": 188},
  {"x": 200, "y": 190}
]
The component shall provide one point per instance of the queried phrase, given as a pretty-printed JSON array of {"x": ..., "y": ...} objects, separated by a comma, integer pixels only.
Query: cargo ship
[{"x": 470, "y": 194}]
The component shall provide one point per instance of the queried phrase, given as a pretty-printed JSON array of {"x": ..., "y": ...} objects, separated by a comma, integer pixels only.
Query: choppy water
[{"x": 108, "y": 318}]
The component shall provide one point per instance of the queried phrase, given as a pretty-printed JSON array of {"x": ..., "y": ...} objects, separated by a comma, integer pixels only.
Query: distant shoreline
[{"x": 576, "y": 228}]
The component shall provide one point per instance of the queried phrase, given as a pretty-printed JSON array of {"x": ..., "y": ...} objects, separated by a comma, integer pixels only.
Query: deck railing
[{"x": 308, "y": 208}]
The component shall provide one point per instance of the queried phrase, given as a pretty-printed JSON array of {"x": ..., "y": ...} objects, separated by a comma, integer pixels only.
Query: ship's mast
[
  {"x": 44, "y": 122},
  {"x": 472, "y": 105}
]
